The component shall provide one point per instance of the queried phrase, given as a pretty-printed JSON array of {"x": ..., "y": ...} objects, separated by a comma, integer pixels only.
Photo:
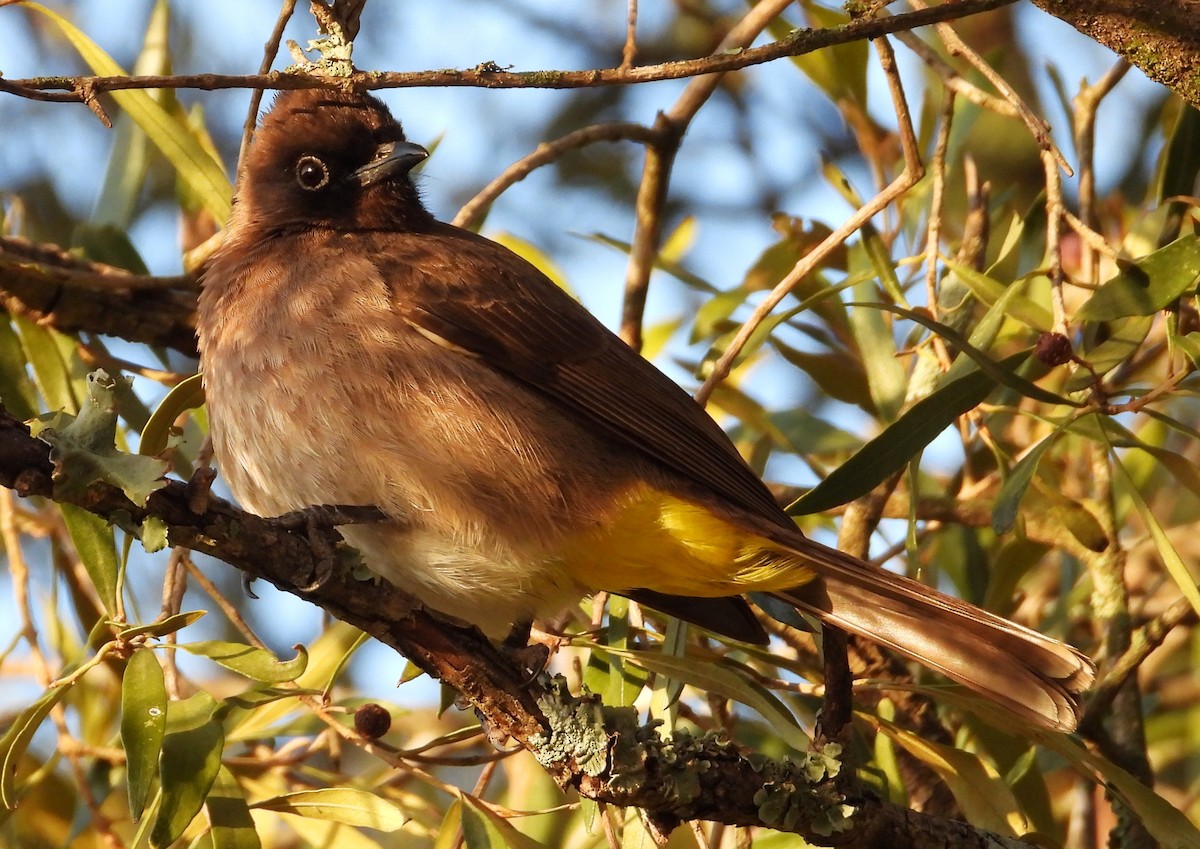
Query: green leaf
[
  {"x": 715, "y": 678},
  {"x": 986, "y": 801},
  {"x": 1167, "y": 824},
  {"x": 188, "y": 394},
  {"x": 1147, "y": 286},
  {"x": 143, "y": 724},
  {"x": 1004, "y": 511},
  {"x": 345, "y": 805},
  {"x": 891, "y": 450},
  {"x": 93, "y": 540},
  {"x": 16, "y": 739},
  {"x": 989, "y": 290},
  {"x": 229, "y": 815},
  {"x": 874, "y": 338},
  {"x": 1123, "y": 339},
  {"x": 84, "y": 450},
  {"x": 484, "y": 829},
  {"x": 1005, "y": 376},
  {"x": 163, "y": 626},
  {"x": 254, "y": 663},
  {"x": 617, "y": 682},
  {"x": 1177, "y": 569},
  {"x": 196, "y": 167},
  {"x": 17, "y": 392},
  {"x": 50, "y": 372},
  {"x": 839, "y": 71},
  {"x": 191, "y": 756},
  {"x": 125, "y": 177}
]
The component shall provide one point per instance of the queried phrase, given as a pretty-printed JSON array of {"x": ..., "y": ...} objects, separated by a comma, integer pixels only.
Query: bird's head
[{"x": 333, "y": 160}]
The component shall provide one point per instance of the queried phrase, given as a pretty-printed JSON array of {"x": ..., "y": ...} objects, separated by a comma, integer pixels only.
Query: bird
[{"x": 356, "y": 351}]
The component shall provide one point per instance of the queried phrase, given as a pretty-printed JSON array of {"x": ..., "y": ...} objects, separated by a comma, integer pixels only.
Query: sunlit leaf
[
  {"x": 254, "y": 663},
  {"x": 1148, "y": 285},
  {"x": 195, "y": 166},
  {"x": 162, "y": 627},
  {"x": 712, "y": 677},
  {"x": 483, "y": 829},
  {"x": 1165, "y": 823},
  {"x": 979, "y": 790},
  {"x": 345, "y": 805},
  {"x": 891, "y": 450},
  {"x": 16, "y": 739},
  {"x": 186, "y": 395}
]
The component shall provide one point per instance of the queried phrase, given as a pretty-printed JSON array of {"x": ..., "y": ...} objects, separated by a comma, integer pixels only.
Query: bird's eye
[{"x": 311, "y": 173}]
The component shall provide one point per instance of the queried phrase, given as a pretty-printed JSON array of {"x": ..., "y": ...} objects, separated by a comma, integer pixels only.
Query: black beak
[{"x": 391, "y": 159}]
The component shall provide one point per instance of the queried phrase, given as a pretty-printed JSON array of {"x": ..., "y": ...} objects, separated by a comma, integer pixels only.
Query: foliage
[{"x": 997, "y": 370}]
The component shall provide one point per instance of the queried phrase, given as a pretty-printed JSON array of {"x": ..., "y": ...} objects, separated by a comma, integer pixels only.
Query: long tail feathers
[{"x": 1034, "y": 676}]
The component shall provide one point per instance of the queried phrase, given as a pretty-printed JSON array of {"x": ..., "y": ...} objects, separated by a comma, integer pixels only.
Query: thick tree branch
[
  {"x": 58, "y": 289},
  {"x": 723, "y": 785},
  {"x": 1162, "y": 37}
]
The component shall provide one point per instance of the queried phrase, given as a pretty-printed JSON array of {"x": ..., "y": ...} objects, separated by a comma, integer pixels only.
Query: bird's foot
[{"x": 316, "y": 521}]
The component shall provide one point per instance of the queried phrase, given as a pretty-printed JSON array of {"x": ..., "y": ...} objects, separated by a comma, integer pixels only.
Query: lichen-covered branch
[{"x": 1161, "y": 37}]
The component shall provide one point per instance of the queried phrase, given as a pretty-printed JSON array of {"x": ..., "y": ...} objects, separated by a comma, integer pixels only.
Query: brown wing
[{"x": 482, "y": 298}]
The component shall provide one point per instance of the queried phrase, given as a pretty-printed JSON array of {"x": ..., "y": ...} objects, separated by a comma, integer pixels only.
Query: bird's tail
[{"x": 1034, "y": 676}]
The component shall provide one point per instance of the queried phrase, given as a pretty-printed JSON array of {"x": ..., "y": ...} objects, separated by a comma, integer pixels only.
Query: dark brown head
[{"x": 330, "y": 160}]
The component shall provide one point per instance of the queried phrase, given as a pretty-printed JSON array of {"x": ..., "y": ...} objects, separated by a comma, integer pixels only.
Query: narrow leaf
[
  {"x": 195, "y": 166},
  {"x": 891, "y": 450},
  {"x": 191, "y": 756},
  {"x": 1004, "y": 511},
  {"x": 986, "y": 364},
  {"x": 188, "y": 394},
  {"x": 345, "y": 805},
  {"x": 163, "y": 626},
  {"x": 1148, "y": 285},
  {"x": 713, "y": 678},
  {"x": 979, "y": 790},
  {"x": 143, "y": 724},
  {"x": 16, "y": 740},
  {"x": 484, "y": 829},
  {"x": 1177, "y": 569},
  {"x": 93, "y": 540}
]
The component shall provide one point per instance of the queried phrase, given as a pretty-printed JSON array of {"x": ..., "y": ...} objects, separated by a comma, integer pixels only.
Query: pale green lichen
[
  {"x": 577, "y": 731},
  {"x": 602, "y": 740},
  {"x": 795, "y": 793},
  {"x": 335, "y": 52}
]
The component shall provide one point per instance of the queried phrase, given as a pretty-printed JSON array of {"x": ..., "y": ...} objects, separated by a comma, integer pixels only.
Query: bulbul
[{"x": 358, "y": 352}]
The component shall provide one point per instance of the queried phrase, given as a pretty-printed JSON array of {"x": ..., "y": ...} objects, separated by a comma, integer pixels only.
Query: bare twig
[
  {"x": 913, "y": 171},
  {"x": 799, "y": 42},
  {"x": 270, "y": 50},
  {"x": 545, "y": 153}
]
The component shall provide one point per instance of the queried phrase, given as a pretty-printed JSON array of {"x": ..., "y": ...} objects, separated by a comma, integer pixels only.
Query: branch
[
  {"x": 489, "y": 75},
  {"x": 1162, "y": 37},
  {"x": 56, "y": 288},
  {"x": 630, "y": 766}
]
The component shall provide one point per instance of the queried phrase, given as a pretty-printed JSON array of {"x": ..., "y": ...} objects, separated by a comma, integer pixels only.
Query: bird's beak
[{"x": 391, "y": 159}]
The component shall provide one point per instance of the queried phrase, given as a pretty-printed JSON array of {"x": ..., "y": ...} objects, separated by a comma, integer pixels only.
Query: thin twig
[
  {"x": 909, "y": 177},
  {"x": 797, "y": 43},
  {"x": 545, "y": 153},
  {"x": 1086, "y": 104},
  {"x": 656, "y": 170},
  {"x": 629, "y": 52},
  {"x": 270, "y": 50}
]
